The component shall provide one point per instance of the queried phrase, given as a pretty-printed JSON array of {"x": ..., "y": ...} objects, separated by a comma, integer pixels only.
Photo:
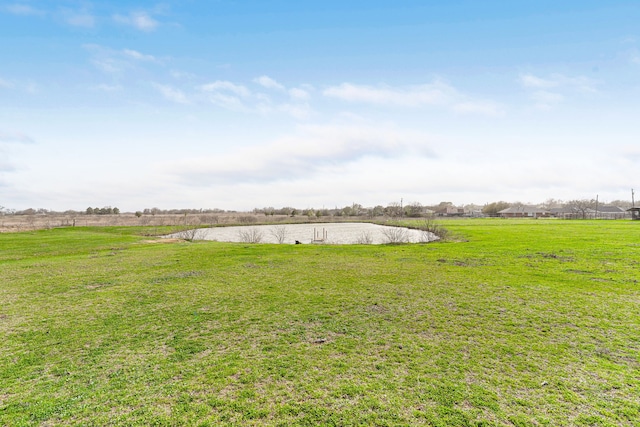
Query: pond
[{"x": 327, "y": 233}]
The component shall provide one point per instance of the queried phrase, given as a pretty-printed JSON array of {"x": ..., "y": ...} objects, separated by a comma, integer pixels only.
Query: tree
[
  {"x": 377, "y": 211},
  {"x": 138, "y": 214},
  {"x": 581, "y": 207},
  {"x": 279, "y": 232},
  {"x": 495, "y": 207},
  {"x": 394, "y": 209},
  {"x": 89, "y": 210},
  {"x": 413, "y": 210},
  {"x": 116, "y": 211}
]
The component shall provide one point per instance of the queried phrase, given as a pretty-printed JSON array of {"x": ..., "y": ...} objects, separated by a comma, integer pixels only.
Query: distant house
[
  {"x": 474, "y": 213},
  {"x": 603, "y": 212},
  {"x": 611, "y": 212},
  {"x": 524, "y": 212},
  {"x": 450, "y": 211},
  {"x": 565, "y": 213}
]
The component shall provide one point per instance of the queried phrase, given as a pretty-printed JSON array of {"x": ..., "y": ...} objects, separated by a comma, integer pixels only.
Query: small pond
[{"x": 327, "y": 233}]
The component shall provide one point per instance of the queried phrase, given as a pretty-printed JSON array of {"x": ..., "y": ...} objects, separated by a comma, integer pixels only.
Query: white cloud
[
  {"x": 226, "y": 86},
  {"x": 138, "y": 20},
  {"x": 437, "y": 93},
  {"x": 23, "y": 9},
  {"x": 311, "y": 149},
  {"x": 428, "y": 94},
  {"x": 268, "y": 82},
  {"x": 562, "y": 87},
  {"x": 5, "y": 84},
  {"x": 172, "y": 94},
  {"x": 80, "y": 19},
  {"x": 15, "y": 138},
  {"x": 298, "y": 94},
  {"x": 547, "y": 98},
  {"x": 580, "y": 83},
  {"x": 486, "y": 108},
  {"x": 238, "y": 97},
  {"x": 137, "y": 55},
  {"x": 227, "y": 94},
  {"x": 529, "y": 80},
  {"x": 116, "y": 62},
  {"x": 181, "y": 75},
  {"x": 298, "y": 111},
  {"x": 107, "y": 88}
]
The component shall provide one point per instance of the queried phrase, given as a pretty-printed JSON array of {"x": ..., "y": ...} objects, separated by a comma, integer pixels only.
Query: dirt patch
[{"x": 164, "y": 240}]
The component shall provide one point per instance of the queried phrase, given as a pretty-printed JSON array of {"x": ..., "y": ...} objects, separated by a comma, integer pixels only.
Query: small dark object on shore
[{"x": 298, "y": 242}]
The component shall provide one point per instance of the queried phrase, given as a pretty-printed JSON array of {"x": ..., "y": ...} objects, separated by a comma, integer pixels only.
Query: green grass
[{"x": 518, "y": 323}]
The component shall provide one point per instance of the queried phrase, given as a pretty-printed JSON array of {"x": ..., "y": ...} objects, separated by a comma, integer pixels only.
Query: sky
[{"x": 246, "y": 104}]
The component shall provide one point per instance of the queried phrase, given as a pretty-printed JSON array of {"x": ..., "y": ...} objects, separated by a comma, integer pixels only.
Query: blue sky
[{"x": 244, "y": 104}]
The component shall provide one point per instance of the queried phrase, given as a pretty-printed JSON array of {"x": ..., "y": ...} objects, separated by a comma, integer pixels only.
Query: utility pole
[
  {"x": 596, "y": 206},
  {"x": 633, "y": 203}
]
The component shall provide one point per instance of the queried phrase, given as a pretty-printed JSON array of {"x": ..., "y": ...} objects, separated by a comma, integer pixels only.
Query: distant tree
[
  {"x": 138, "y": 214},
  {"x": 551, "y": 203},
  {"x": 625, "y": 204},
  {"x": 582, "y": 207},
  {"x": 89, "y": 211},
  {"x": 413, "y": 210},
  {"x": 377, "y": 211},
  {"x": 495, "y": 207},
  {"x": 393, "y": 209},
  {"x": 346, "y": 211},
  {"x": 116, "y": 211}
]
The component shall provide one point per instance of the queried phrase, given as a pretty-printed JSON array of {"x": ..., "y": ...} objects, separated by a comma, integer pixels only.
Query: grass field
[{"x": 524, "y": 323}]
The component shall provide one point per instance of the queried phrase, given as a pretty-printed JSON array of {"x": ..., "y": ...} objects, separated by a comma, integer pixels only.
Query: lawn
[{"x": 512, "y": 322}]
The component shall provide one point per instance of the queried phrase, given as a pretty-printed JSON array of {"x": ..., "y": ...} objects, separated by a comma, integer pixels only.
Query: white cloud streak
[
  {"x": 226, "y": 86},
  {"x": 172, "y": 94},
  {"x": 80, "y": 19},
  {"x": 298, "y": 94},
  {"x": 4, "y": 84},
  {"x": 437, "y": 93},
  {"x": 23, "y": 9},
  {"x": 137, "y": 55},
  {"x": 15, "y": 138},
  {"x": 237, "y": 97},
  {"x": 428, "y": 94},
  {"x": 116, "y": 62},
  {"x": 268, "y": 83},
  {"x": 310, "y": 150},
  {"x": 138, "y": 20},
  {"x": 553, "y": 90}
]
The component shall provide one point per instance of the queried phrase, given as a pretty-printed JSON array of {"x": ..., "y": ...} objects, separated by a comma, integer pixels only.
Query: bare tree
[
  {"x": 581, "y": 207},
  {"x": 395, "y": 235},
  {"x": 279, "y": 232},
  {"x": 364, "y": 239},
  {"x": 431, "y": 228},
  {"x": 250, "y": 235},
  {"x": 191, "y": 235}
]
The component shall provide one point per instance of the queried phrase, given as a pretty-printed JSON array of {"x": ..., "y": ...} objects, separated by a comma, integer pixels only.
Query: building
[{"x": 524, "y": 212}]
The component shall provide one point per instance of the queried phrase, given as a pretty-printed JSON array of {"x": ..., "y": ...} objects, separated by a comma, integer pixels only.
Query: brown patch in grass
[{"x": 163, "y": 241}]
